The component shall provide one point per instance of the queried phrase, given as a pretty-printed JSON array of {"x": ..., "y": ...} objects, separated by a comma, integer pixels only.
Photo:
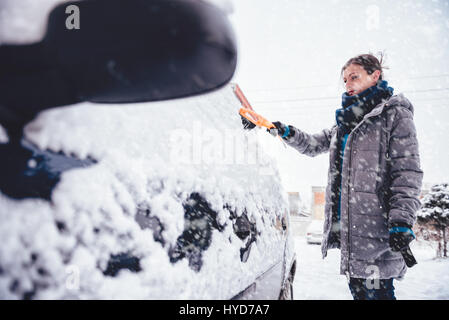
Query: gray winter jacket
[{"x": 381, "y": 182}]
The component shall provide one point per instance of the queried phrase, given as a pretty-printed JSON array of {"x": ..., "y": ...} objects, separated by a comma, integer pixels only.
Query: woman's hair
[{"x": 369, "y": 62}]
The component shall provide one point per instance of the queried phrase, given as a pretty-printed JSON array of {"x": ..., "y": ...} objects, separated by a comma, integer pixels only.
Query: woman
[{"x": 374, "y": 178}]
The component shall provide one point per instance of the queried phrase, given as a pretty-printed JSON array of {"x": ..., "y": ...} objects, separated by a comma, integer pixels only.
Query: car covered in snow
[
  {"x": 314, "y": 231},
  {"x": 125, "y": 170}
]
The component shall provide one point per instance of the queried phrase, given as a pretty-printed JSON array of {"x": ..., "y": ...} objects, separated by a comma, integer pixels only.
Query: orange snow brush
[
  {"x": 255, "y": 118},
  {"x": 248, "y": 112}
]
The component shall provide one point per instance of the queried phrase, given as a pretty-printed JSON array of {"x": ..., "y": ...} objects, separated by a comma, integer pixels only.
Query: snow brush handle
[{"x": 255, "y": 118}]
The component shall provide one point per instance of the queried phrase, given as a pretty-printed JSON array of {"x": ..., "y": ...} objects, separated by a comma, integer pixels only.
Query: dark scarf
[
  {"x": 357, "y": 106},
  {"x": 354, "y": 109}
]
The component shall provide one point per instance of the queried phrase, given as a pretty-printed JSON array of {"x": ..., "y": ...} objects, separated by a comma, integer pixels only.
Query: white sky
[{"x": 294, "y": 50}]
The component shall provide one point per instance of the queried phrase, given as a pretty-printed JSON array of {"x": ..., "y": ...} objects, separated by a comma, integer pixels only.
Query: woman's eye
[{"x": 354, "y": 77}]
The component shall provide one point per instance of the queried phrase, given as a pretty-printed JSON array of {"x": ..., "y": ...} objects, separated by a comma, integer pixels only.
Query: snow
[
  {"x": 318, "y": 279},
  {"x": 59, "y": 249},
  {"x": 24, "y": 21}
]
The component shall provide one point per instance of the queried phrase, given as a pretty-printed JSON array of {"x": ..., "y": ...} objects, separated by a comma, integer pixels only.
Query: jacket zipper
[
  {"x": 349, "y": 220},
  {"x": 349, "y": 188}
]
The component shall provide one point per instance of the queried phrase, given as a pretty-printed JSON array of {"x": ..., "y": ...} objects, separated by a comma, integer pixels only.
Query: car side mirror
[{"x": 123, "y": 52}]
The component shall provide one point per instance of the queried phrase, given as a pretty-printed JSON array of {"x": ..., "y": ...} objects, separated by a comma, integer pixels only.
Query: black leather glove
[
  {"x": 248, "y": 125},
  {"x": 282, "y": 130},
  {"x": 400, "y": 236}
]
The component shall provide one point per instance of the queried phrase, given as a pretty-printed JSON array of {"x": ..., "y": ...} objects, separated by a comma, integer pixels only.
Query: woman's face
[{"x": 356, "y": 79}]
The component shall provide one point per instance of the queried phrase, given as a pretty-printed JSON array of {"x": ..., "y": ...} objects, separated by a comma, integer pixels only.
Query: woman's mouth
[{"x": 351, "y": 92}]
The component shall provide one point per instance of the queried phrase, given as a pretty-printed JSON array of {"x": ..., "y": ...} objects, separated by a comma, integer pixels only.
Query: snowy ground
[{"x": 318, "y": 279}]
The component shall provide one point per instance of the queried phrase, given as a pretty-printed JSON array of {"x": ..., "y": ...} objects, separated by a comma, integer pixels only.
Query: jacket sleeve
[
  {"x": 310, "y": 144},
  {"x": 405, "y": 171}
]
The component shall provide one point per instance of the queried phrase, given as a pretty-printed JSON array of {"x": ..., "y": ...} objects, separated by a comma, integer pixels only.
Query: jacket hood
[
  {"x": 396, "y": 100},
  {"x": 401, "y": 100}
]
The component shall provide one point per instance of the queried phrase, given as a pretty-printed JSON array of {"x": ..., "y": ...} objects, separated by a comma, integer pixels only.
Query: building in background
[{"x": 318, "y": 202}]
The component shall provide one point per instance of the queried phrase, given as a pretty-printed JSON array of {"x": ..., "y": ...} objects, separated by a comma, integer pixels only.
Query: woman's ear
[{"x": 376, "y": 75}]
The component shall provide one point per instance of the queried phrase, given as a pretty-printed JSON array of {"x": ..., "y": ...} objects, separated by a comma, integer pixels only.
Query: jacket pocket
[
  {"x": 365, "y": 181},
  {"x": 368, "y": 249},
  {"x": 366, "y": 203}
]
